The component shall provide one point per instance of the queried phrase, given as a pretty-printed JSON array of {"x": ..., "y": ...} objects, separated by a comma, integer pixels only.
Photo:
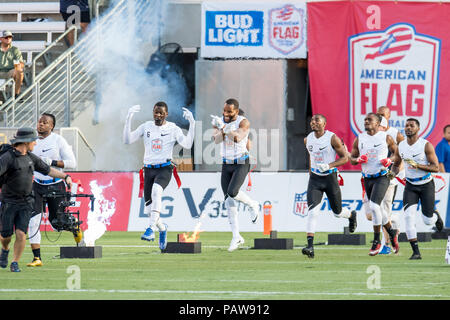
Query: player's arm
[
  {"x": 128, "y": 135},
  {"x": 341, "y": 150},
  {"x": 354, "y": 154},
  {"x": 240, "y": 133},
  {"x": 392, "y": 146},
  {"x": 397, "y": 163},
  {"x": 218, "y": 136},
  {"x": 400, "y": 138},
  {"x": 186, "y": 141},
  {"x": 433, "y": 162},
  {"x": 68, "y": 160}
]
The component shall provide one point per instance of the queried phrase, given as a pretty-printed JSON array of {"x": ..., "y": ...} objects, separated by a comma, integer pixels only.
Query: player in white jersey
[
  {"x": 56, "y": 152},
  {"x": 159, "y": 138},
  {"x": 421, "y": 161},
  {"x": 232, "y": 131},
  {"x": 388, "y": 199},
  {"x": 323, "y": 145},
  {"x": 370, "y": 149}
]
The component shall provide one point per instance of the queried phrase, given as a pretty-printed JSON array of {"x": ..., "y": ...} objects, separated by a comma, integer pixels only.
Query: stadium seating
[
  {"x": 29, "y": 8},
  {"x": 46, "y": 27},
  {"x": 28, "y": 48}
]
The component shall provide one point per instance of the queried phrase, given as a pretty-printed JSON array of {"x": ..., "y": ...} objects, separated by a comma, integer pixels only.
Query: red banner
[
  {"x": 367, "y": 54},
  {"x": 112, "y": 192}
]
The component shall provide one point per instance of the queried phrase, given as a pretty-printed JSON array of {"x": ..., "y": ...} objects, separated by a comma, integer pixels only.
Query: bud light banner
[
  {"x": 253, "y": 30},
  {"x": 380, "y": 54}
]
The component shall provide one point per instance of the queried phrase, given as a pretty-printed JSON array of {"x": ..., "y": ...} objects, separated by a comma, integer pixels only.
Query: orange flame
[{"x": 186, "y": 237}]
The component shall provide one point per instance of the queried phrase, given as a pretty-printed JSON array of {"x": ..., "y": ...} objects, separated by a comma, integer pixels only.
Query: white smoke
[
  {"x": 119, "y": 60},
  {"x": 100, "y": 217}
]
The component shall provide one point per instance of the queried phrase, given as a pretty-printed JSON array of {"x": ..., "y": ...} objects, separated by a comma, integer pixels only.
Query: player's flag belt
[
  {"x": 160, "y": 165},
  {"x": 47, "y": 181},
  {"x": 141, "y": 175},
  {"x": 235, "y": 161},
  {"x": 376, "y": 175},
  {"x": 324, "y": 172},
  {"x": 419, "y": 179}
]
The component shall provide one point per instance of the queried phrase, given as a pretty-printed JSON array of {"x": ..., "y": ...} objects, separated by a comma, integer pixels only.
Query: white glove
[
  {"x": 323, "y": 167},
  {"x": 227, "y": 129},
  {"x": 47, "y": 161},
  {"x": 217, "y": 122},
  {"x": 134, "y": 109},
  {"x": 188, "y": 115}
]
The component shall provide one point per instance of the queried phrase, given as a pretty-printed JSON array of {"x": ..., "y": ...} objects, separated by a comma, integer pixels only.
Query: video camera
[{"x": 66, "y": 220}]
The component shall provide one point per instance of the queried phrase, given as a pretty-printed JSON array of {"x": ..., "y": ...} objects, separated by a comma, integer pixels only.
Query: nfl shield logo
[
  {"x": 286, "y": 32},
  {"x": 300, "y": 205},
  {"x": 397, "y": 68},
  {"x": 156, "y": 145}
]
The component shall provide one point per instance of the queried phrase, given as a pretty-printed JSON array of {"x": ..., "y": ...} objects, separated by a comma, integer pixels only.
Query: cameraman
[
  {"x": 17, "y": 200},
  {"x": 54, "y": 150}
]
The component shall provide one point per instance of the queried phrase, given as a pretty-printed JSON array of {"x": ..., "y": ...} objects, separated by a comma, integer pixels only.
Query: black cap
[{"x": 24, "y": 135}]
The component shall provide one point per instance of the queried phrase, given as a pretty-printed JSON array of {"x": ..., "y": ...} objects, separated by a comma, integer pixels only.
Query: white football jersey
[
  {"x": 159, "y": 141},
  {"x": 320, "y": 150},
  {"x": 233, "y": 150},
  {"x": 393, "y": 132},
  {"x": 54, "y": 147},
  {"x": 415, "y": 152},
  {"x": 376, "y": 149}
]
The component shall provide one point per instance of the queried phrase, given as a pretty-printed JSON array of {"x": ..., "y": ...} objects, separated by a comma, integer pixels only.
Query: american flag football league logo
[
  {"x": 301, "y": 204},
  {"x": 286, "y": 28},
  {"x": 397, "y": 68}
]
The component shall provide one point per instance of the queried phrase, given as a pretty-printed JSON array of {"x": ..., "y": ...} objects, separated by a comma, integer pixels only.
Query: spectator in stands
[
  {"x": 75, "y": 12},
  {"x": 11, "y": 61},
  {"x": 443, "y": 151}
]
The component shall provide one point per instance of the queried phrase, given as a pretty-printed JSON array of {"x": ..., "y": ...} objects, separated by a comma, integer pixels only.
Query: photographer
[
  {"x": 54, "y": 150},
  {"x": 18, "y": 165}
]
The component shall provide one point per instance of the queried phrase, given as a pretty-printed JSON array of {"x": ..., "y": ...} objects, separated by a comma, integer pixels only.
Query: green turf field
[{"x": 133, "y": 269}]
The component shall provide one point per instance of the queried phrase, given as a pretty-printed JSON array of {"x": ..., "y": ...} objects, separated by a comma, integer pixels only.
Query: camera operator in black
[{"x": 17, "y": 199}]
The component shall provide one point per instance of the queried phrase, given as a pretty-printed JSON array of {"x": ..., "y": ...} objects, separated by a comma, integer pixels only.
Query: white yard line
[{"x": 245, "y": 293}]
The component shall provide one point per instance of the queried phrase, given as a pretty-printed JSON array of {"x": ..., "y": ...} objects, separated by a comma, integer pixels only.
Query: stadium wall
[{"x": 200, "y": 200}]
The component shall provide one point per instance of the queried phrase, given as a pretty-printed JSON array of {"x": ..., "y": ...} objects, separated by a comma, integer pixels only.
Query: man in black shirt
[{"x": 17, "y": 166}]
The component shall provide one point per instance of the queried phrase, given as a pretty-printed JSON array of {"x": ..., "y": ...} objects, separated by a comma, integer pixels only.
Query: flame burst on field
[{"x": 193, "y": 237}]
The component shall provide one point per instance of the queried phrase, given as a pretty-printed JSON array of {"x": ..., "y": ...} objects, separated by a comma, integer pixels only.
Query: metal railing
[{"x": 65, "y": 86}]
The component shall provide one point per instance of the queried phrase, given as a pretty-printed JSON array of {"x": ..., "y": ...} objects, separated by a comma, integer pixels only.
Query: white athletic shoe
[
  {"x": 254, "y": 211},
  {"x": 235, "y": 243}
]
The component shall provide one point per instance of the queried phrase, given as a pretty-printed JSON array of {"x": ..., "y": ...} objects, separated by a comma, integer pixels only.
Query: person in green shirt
[{"x": 11, "y": 61}]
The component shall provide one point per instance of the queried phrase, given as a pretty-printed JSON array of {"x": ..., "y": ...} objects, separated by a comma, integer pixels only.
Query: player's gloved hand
[
  {"x": 412, "y": 163},
  {"x": 362, "y": 159},
  {"x": 390, "y": 175},
  {"x": 188, "y": 115},
  {"x": 217, "y": 122},
  {"x": 47, "y": 160},
  {"x": 134, "y": 109},
  {"x": 323, "y": 167},
  {"x": 386, "y": 162},
  {"x": 227, "y": 129}
]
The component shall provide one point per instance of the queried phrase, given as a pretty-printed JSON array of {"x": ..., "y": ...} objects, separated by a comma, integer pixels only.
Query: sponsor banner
[
  {"x": 112, "y": 192},
  {"x": 253, "y": 30},
  {"x": 200, "y": 200},
  {"x": 384, "y": 54}
]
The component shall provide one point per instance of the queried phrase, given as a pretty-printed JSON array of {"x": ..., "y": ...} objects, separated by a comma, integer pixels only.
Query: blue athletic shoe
[
  {"x": 163, "y": 239},
  {"x": 148, "y": 235},
  {"x": 14, "y": 267},
  {"x": 385, "y": 250}
]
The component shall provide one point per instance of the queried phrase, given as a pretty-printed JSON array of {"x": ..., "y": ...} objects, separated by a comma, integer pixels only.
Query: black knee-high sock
[
  {"x": 310, "y": 240},
  {"x": 37, "y": 253},
  {"x": 415, "y": 246}
]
